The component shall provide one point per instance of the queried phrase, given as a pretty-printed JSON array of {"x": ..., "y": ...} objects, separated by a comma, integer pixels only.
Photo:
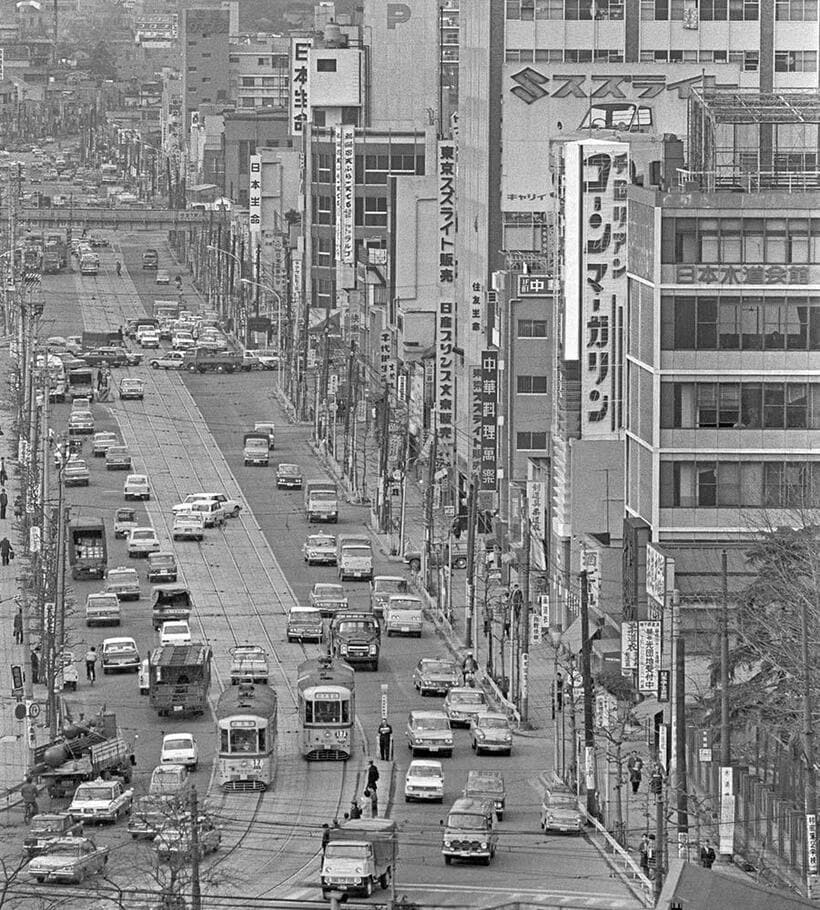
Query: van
[
  {"x": 355, "y": 561},
  {"x": 305, "y": 624},
  {"x": 404, "y": 615},
  {"x": 321, "y": 501},
  {"x": 211, "y": 511},
  {"x": 469, "y": 832},
  {"x": 351, "y": 540}
]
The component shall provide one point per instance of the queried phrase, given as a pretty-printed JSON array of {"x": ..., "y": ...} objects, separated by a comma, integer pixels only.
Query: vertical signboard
[
  {"x": 445, "y": 374},
  {"x": 536, "y": 503},
  {"x": 476, "y": 306},
  {"x": 446, "y": 215},
  {"x": 811, "y": 854},
  {"x": 597, "y": 174},
  {"x": 345, "y": 190},
  {"x": 649, "y": 655},
  {"x": 2, "y": 64},
  {"x": 299, "y": 84},
  {"x": 726, "y": 826},
  {"x": 476, "y": 405},
  {"x": 255, "y": 199},
  {"x": 629, "y": 647},
  {"x": 488, "y": 474}
]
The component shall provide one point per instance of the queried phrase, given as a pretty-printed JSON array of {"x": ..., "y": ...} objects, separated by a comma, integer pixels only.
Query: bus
[
  {"x": 246, "y": 727},
  {"x": 327, "y": 708}
]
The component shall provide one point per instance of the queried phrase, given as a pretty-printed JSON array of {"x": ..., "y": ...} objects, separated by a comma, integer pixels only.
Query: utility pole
[
  {"x": 196, "y": 895},
  {"x": 727, "y": 813},
  {"x": 586, "y": 675},
  {"x": 681, "y": 798},
  {"x": 660, "y": 844},
  {"x": 524, "y": 636},
  {"x": 810, "y": 796},
  {"x": 428, "y": 513},
  {"x": 384, "y": 461},
  {"x": 350, "y": 409},
  {"x": 472, "y": 521}
]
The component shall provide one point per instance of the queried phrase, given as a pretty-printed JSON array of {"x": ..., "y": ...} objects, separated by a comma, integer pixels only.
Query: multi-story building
[
  {"x": 204, "y": 37},
  {"x": 563, "y": 70},
  {"x": 259, "y": 71}
]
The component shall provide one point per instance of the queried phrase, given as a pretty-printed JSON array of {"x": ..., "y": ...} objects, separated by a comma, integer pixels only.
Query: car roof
[
  {"x": 119, "y": 641},
  {"x": 428, "y": 712}
]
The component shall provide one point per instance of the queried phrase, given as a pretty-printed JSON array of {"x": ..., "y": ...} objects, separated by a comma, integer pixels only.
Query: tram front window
[
  {"x": 244, "y": 741},
  {"x": 327, "y": 711}
]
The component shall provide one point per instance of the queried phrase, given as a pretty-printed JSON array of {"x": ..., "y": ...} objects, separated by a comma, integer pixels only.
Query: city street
[{"x": 187, "y": 436}]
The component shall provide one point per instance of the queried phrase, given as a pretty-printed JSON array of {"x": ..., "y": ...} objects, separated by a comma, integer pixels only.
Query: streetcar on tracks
[
  {"x": 246, "y": 724},
  {"x": 327, "y": 708}
]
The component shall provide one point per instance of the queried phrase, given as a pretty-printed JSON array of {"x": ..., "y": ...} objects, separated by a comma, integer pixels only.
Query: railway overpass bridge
[{"x": 91, "y": 218}]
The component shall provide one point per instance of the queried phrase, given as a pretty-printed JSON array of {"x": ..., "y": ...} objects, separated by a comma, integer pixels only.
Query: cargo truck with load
[
  {"x": 321, "y": 501},
  {"x": 169, "y": 602},
  {"x": 358, "y": 856},
  {"x": 83, "y": 753},
  {"x": 207, "y": 360},
  {"x": 87, "y": 552},
  {"x": 81, "y": 383},
  {"x": 179, "y": 677},
  {"x": 114, "y": 338}
]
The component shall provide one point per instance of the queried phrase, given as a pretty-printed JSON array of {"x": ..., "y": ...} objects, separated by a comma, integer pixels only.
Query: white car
[
  {"x": 175, "y": 632},
  {"x": 231, "y": 507},
  {"x": 149, "y": 340},
  {"x": 123, "y": 582},
  {"x": 120, "y": 654},
  {"x": 170, "y": 360},
  {"x": 136, "y": 487},
  {"x": 424, "y": 780},
  {"x": 101, "y": 801},
  {"x": 68, "y": 859},
  {"x": 180, "y": 749},
  {"x": 142, "y": 541},
  {"x": 188, "y": 526},
  {"x": 103, "y": 442},
  {"x": 182, "y": 341}
]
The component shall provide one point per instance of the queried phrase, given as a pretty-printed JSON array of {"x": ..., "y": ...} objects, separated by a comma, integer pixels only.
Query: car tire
[
  {"x": 448, "y": 860},
  {"x": 155, "y": 365},
  {"x": 485, "y": 860},
  {"x": 194, "y": 766}
]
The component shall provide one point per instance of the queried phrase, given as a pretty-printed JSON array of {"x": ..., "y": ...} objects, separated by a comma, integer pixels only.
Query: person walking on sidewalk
[
  {"x": 18, "y": 626},
  {"x": 372, "y": 798},
  {"x": 6, "y": 551},
  {"x": 91, "y": 664},
  {"x": 4, "y": 477},
  {"x": 4, "y": 502},
  {"x": 372, "y": 775},
  {"x": 707, "y": 855},
  {"x": 385, "y": 739},
  {"x": 634, "y": 766},
  {"x": 644, "y": 854},
  {"x": 35, "y": 666}
]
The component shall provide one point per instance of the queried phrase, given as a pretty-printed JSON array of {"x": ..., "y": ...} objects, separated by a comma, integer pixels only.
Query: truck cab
[
  {"x": 359, "y": 856},
  {"x": 355, "y": 637},
  {"x": 321, "y": 501},
  {"x": 355, "y": 561},
  {"x": 256, "y": 450}
]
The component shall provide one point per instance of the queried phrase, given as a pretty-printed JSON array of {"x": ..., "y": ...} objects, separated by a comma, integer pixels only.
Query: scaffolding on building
[{"x": 748, "y": 141}]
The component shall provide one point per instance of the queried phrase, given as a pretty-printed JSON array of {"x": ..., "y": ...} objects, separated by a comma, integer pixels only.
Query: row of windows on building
[
  {"x": 741, "y": 240},
  {"x": 784, "y": 61},
  {"x": 748, "y": 323},
  {"x": 740, "y": 405},
  {"x": 661, "y": 10},
  {"x": 371, "y": 169},
  {"x": 730, "y": 484}
]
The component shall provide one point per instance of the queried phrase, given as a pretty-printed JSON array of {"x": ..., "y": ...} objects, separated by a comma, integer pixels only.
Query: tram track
[{"x": 169, "y": 411}]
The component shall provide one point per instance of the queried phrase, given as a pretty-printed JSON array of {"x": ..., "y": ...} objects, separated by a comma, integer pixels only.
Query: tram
[
  {"x": 246, "y": 722},
  {"x": 327, "y": 708}
]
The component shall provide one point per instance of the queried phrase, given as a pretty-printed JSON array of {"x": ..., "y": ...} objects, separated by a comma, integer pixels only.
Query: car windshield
[
  {"x": 485, "y": 784},
  {"x": 175, "y": 628},
  {"x": 438, "y": 666},
  {"x": 121, "y": 574},
  {"x": 347, "y": 851},
  {"x": 178, "y": 743},
  {"x": 119, "y": 649},
  {"x": 432, "y": 723},
  {"x": 66, "y": 849},
  {"x": 466, "y": 820},
  {"x": 162, "y": 560},
  {"x": 425, "y": 771},
  {"x": 288, "y": 468},
  {"x": 46, "y": 824},
  {"x": 402, "y": 604},
  {"x": 89, "y": 793},
  {"x": 468, "y": 698},
  {"x": 320, "y": 541},
  {"x": 323, "y": 495},
  {"x": 357, "y": 552},
  {"x": 496, "y": 723},
  {"x": 563, "y": 802},
  {"x": 356, "y": 625},
  {"x": 329, "y": 590},
  {"x": 391, "y": 586},
  {"x": 143, "y": 535}
]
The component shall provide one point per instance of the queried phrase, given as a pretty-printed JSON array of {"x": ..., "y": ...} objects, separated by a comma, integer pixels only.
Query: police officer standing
[{"x": 385, "y": 739}]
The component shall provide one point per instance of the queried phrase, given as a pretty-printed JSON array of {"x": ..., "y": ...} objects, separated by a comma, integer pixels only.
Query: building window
[
  {"x": 745, "y": 241},
  {"x": 796, "y": 10},
  {"x": 749, "y": 323},
  {"x": 326, "y": 65},
  {"x": 247, "y": 102},
  {"x": 578, "y": 9},
  {"x": 795, "y": 61},
  {"x": 371, "y": 211},
  {"x": 739, "y": 484},
  {"x": 323, "y": 212},
  {"x": 661, "y": 10},
  {"x": 530, "y": 441},
  {"x": 206, "y": 79},
  {"x": 323, "y": 168},
  {"x": 248, "y": 82},
  {"x": 532, "y": 328},
  {"x": 206, "y": 54},
  {"x": 324, "y": 251},
  {"x": 531, "y": 385},
  {"x": 263, "y": 61},
  {"x": 233, "y": 58}
]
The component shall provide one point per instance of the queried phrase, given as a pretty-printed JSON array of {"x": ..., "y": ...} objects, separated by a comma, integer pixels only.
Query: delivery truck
[
  {"x": 359, "y": 855},
  {"x": 87, "y": 552},
  {"x": 256, "y": 450},
  {"x": 321, "y": 501}
]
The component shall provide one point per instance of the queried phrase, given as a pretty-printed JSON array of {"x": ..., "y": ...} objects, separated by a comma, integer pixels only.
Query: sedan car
[
  {"x": 175, "y": 632},
  {"x": 319, "y": 550},
  {"x": 149, "y": 340},
  {"x": 163, "y": 276},
  {"x": 560, "y": 812},
  {"x": 169, "y": 360},
  {"x": 101, "y": 801},
  {"x": 48, "y": 827},
  {"x": 123, "y": 582},
  {"x": 434, "y": 676},
  {"x": 142, "y": 541},
  {"x": 329, "y": 598},
  {"x": 188, "y": 526},
  {"x": 491, "y": 732},
  {"x": 120, "y": 654},
  {"x": 463, "y": 704},
  {"x": 110, "y": 356},
  {"x": 174, "y": 842},
  {"x": 182, "y": 341},
  {"x": 231, "y": 507},
  {"x": 267, "y": 358},
  {"x": 68, "y": 859},
  {"x": 424, "y": 781},
  {"x": 136, "y": 487},
  {"x": 76, "y": 473},
  {"x": 117, "y": 458},
  {"x": 102, "y": 442},
  {"x": 180, "y": 749},
  {"x": 289, "y": 476},
  {"x": 131, "y": 389},
  {"x": 81, "y": 423}
]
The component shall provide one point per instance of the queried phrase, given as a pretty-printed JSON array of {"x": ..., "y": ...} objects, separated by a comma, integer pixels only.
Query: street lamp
[{"x": 278, "y": 297}]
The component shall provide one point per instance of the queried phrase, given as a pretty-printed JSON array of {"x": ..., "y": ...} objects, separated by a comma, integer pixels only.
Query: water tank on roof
[{"x": 333, "y": 36}]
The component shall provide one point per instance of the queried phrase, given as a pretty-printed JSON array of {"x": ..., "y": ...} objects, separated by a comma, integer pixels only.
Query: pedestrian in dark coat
[
  {"x": 372, "y": 775},
  {"x": 6, "y": 551},
  {"x": 707, "y": 855},
  {"x": 35, "y": 666},
  {"x": 634, "y": 766},
  {"x": 18, "y": 626},
  {"x": 385, "y": 737},
  {"x": 4, "y": 502},
  {"x": 3, "y": 474}
]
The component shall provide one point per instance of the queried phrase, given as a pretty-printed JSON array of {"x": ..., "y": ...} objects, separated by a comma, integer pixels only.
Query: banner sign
[
  {"x": 445, "y": 373},
  {"x": 446, "y": 212},
  {"x": 345, "y": 191},
  {"x": 629, "y": 646},
  {"x": 300, "y": 84},
  {"x": 488, "y": 474},
  {"x": 476, "y": 405},
  {"x": 649, "y": 655},
  {"x": 255, "y": 199},
  {"x": 534, "y": 285}
]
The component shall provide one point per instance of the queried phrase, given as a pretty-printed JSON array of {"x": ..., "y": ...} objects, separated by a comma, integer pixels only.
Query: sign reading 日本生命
[{"x": 300, "y": 84}]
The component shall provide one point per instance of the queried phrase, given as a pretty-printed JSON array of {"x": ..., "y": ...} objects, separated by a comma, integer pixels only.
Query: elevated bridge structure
[{"x": 91, "y": 218}]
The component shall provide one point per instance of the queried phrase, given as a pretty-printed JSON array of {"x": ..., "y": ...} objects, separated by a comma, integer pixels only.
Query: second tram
[
  {"x": 327, "y": 709},
  {"x": 246, "y": 721}
]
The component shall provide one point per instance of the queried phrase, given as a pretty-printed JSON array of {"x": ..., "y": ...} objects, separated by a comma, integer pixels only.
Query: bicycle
[{"x": 30, "y": 809}]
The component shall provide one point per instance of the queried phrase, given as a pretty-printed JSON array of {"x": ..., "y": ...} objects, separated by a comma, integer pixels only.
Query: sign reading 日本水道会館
[{"x": 728, "y": 275}]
